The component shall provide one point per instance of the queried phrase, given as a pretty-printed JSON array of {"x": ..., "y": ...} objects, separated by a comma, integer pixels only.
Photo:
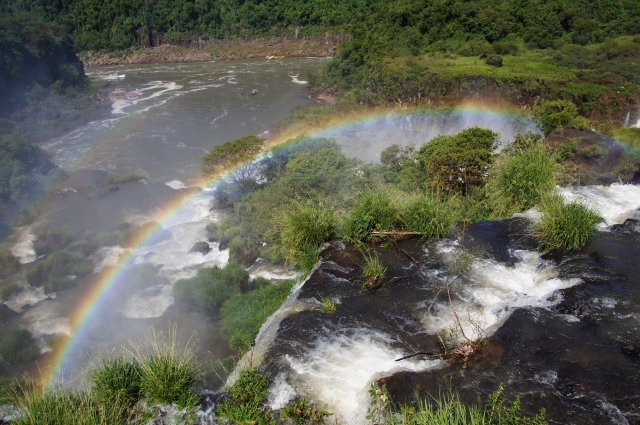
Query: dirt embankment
[{"x": 321, "y": 46}]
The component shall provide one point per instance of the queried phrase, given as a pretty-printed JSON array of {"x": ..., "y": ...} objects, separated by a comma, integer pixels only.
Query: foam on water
[
  {"x": 44, "y": 321},
  {"x": 494, "y": 290},
  {"x": 27, "y": 297},
  {"x": 106, "y": 257},
  {"x": 294, "y": 79},
  {"x": 339, "y": 371},
  {"x": 614, "y": 203},
  {"x": 23, "y": 248},
  {"x": 268, "y": 271},
  {"x": 176, "y": 184},
  {"x": 149, "y": 303}
]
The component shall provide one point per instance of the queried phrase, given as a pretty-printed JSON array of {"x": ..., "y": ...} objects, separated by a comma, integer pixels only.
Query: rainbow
[{"x": 110, "y": 278}]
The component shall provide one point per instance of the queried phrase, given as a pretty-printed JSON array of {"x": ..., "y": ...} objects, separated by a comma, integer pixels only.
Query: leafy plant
[
  {"x": 18, "y": 346},
  {"x": 430, "y": 216},
  {"x": 559, "y": 114},
  {"x": 117, "y": 381},
  {"x": 304, "y": 230},
  {"x": 374, "y": 211},
  {"x": 303, "y": 412},
  {"x": 247, "y": 397},
  {"x": 567, "y": 227}
]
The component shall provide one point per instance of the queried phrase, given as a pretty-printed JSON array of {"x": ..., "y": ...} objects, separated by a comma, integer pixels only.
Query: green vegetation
[
  {"x": 168, "y": 370},
  {"x": 211, "y": 287},
  {"x": 230, "y": 154},
  {"x": 303, "y": 412},
  {"x": 628, "y": 135},
  {"x": 449, "y": 409},
  {"x": 460, "y": 162},
  {"x": 305, "y": 229},
  {"x": 127, "y": 178},
  {"x": 18, "y": 346},
  {"x": 244, "y": 313},
  {"x": 247, "y": 397},
  {"x": 430, "y": 216},
  {"x": 567, "y": 227},
  {"x": 58, "y": 407},
  {"x": 373, "y": 270},
  {"x": 559, "y": 114},
  {"x": 522, "y": 177},
  {"x": 8, "y": 290},
  {"x": 60, "y": 270},
  {"x": 375, "y": 211},
  {"x": 117, "y": 381},
  {"x": 328, "y": 305},
  {"x": 8, "y": 265}
]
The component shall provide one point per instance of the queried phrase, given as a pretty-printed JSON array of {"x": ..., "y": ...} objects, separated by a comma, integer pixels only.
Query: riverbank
[{"x": 317, "y": 46}]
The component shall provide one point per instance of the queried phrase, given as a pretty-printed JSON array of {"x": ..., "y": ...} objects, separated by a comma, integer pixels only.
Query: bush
[
  {"x": 8, "y": 263},
  {"x": 247, "y": 397},
  {"x": 494, "y": 60},
  {"x": 55, "y": 271},
  {"x": 559, "y": 114},
  {"x": 18, "y": 346},
  {"x": 430, "y": 216},
  {"x": 117, "y": 381},
  {"x": 211, "y": 287},
  {"x": 305, "y": 229},
  {"x": 303, "y": 412},
  {"x": 522, "y": 180},
  {"x": 242, "y": 316},
  {"x": 168, "y": 370},
  {"x": 460, "y": 162},
  {"x": 374, "y": 211},
  {"x": 8, "y": 290},
  {"x": 231, "y": 153},
  {"x": 567, "y": 227}
]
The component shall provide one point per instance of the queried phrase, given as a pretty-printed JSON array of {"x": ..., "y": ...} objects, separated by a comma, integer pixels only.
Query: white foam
[
  {"x": 45, "y": 320},
  {"x": 23, "y": 248},
  {"x": 614, "y": 203},
  {"x": 294, "y": 78},
  {"x": 148, "y": 303},
  {"x": 27, "y": 297},
  {"x": 494, "y": 290},
  {"x": 107, "y": 257},
  {"x": 176, "y": 184},
  {"x": 271, "y": 272},
  {"x": 340, "y": 370}
]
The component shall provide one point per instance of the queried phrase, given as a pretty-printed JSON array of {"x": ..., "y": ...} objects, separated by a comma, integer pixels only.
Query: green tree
[
  {"x": 558, "y": 114},
  {"x": 460, "y": 162}
]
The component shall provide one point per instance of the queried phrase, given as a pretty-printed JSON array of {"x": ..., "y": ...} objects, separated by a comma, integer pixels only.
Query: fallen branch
[
  {"x": 397, "y": 233},
  {"x": 422, "y": 353}
]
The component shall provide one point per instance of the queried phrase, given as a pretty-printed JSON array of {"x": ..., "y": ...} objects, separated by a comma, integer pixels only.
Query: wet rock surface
[{"x": 578, "y": 359}]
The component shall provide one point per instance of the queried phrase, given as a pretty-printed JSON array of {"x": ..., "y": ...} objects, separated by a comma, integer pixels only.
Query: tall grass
[
  {"x": 247, "y": 397},
  {"x": 567, "y": 227},
  {"x": 57, "y": 407},
  {"x": 117, "y": 380},
  {"x": 304, "y": 230},
  {"x": 521, "y": 180},
  {"x": 375, "y": 210},
  {"x": 373, "y": 270},
  {"x": 431, "y": 216},
  {"x": 168, "y": 369}
]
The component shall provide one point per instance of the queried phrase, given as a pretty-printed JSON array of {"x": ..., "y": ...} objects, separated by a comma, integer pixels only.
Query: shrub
[
  {"x": 559, "y": 114},
  {"x": 567, "y": 227},
  {"x": 374, "y": 211},
  {"x": 168, "y": 370},
  {"x": 8, "y": 290},
  {"x": 117, "y": 381},
  {"x": 242, "y": 315},
  {"x": 522, "y": 180},
  {"x": 55, "y": 271},
  {"x": 211, "y": 287},
  {"x": 430, "y": 216},
  {"x": 304, "y": 230},
  {"x": 231, "y": 153},
  {"x": 460, "y": 162},
  {"x": 247, "y": 397},
  {"x": 494, "y": 60},
  {"x": 18, "y": 346},
  {"x": 8, "y": 263}
]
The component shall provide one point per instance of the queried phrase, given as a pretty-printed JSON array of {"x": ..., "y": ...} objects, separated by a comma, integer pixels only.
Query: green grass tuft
[
  {"x": 567, "y": 227},
  {"x": 430, "y": 216},
  {"x": 247, "y": 397},
  {"x": 168, "y": 370},
  {"x": 373, "y": 270},
  {"x": 117, "y": 381},
  {"x": 376, "y": 210}
]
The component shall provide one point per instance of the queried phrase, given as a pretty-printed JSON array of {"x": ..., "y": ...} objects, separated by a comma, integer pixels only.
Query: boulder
[{"x": 201, "y": 247}]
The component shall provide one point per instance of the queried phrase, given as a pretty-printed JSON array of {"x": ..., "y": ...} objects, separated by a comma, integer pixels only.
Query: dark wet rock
[
  {"x": 630, "y": 225},
  {"x": 201, "y": 247},
  {"x": 6, "y": 314},
  {"x": 578, "y": 360},
  {"x": 213, "y": 232}
]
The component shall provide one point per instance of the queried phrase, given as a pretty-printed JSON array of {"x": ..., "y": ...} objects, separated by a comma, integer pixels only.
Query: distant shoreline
[{"x": 318, "y": 46}]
